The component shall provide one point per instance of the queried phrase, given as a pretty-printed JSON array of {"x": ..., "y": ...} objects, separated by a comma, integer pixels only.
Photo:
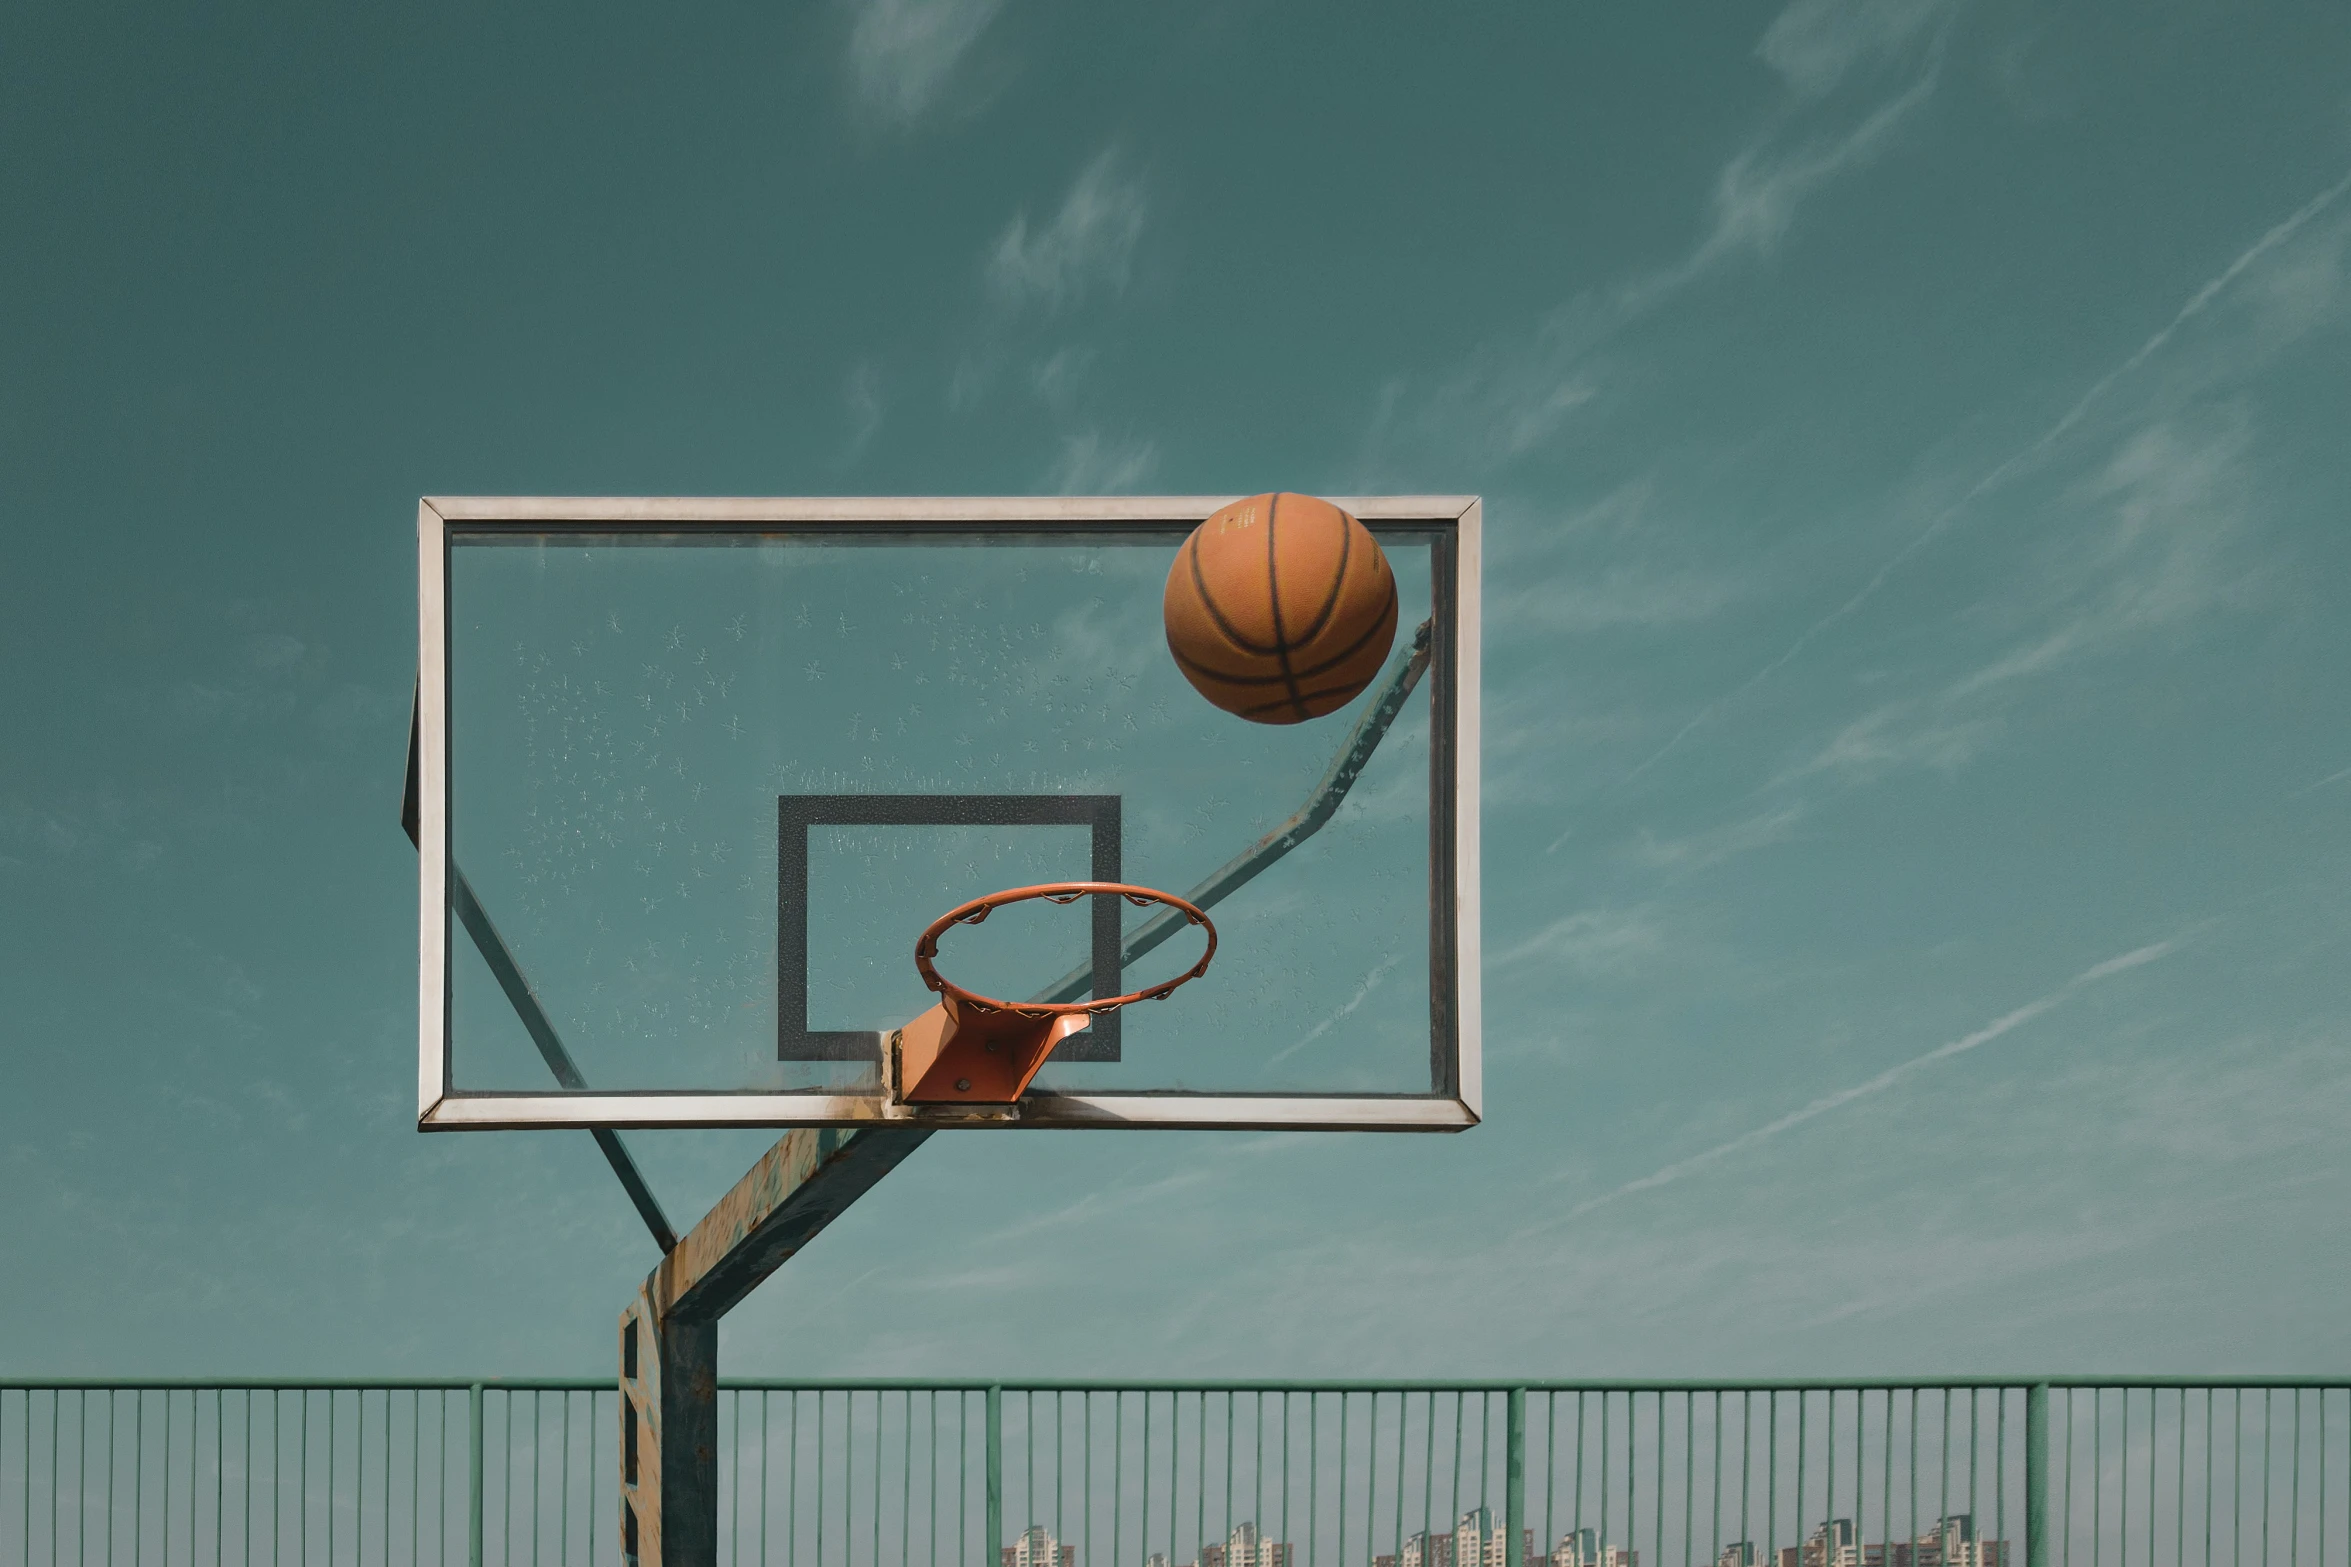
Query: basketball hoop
[{"x": 975, "y": 1049}]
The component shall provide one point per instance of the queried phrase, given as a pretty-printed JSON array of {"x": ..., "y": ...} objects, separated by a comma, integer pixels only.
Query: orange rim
[{"x": 978, "y": 909}]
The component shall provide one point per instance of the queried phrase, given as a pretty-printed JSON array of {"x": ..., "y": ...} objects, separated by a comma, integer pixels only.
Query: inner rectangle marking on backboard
[{"x": 796, "y": 814}]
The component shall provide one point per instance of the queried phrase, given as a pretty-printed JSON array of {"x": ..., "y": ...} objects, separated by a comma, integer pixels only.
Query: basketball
[{"x": 1280, "y": 608}]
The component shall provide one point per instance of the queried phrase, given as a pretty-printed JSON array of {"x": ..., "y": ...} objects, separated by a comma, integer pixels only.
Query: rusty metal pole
[{"x": 669, "y": 1333}]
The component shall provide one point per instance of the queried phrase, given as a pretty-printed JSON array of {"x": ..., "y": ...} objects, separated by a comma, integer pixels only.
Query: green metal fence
[{"x": 889, "y": 1474}]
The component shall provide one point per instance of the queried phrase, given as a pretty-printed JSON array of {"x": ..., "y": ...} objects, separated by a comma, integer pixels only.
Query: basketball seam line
[
  {"x": 1347, "y": 526},
  {"x": 1350, "y": 693},
  {"x": 1208, "y": 602},
  {"x": 1385, "y": 617},
  {"x": 1347, "y": 691},
  {"x": 1273, "y": 588}
]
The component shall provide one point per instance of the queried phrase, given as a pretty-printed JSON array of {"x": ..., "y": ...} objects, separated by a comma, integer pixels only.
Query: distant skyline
[
  {"x": 1479, "y": 1541},
  {"x": 1917, "y": 779}
]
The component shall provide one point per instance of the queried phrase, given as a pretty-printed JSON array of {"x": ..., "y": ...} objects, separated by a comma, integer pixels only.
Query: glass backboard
[{"x": 691, "y": 777}]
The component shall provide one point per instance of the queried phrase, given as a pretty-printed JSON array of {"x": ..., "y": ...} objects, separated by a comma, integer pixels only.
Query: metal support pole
[
  {"x": 1514, "y": 1481},
  {"x": 669, "y": 1333},
  {"x": 994, "y": 1543},
  {"x": 669, "y": 1446},
  {"x": 473, "y": 1481},
  {"x": 2036, "y": 1476}
]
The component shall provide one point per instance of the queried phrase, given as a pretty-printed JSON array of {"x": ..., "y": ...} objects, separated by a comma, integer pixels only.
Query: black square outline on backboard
[{"x": 797, "y": 813}]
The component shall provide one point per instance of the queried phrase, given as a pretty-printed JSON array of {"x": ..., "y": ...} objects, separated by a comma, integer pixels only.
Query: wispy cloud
[
  {"x": 2007, "y": 469},
  {"x": 1517, "y": 395},
  {"x": 1758, "y": 192},
  {"x": 1814, "y": 43},
  {"x": 2313, "y": 788},
  {"x": 1346, "y": 1009},
  {"x": 902, "y": 52},
  {"x": 862, "y": 396},
  {"x": 2166, "y": 514},
  {"x": 1900, "y": 735},
  {"x": 1590, "y": 940},
  {"x": 1698, "y": 850},
  {"x": 1086, "y": 246},
  {"x": 1092, "y": 464},
  {"x": 1622, "y": 563},
  {"x": 2156, "y": 542},
  {"x": 1056, "y": 379},
  {"x": 2005, "y": 1024},
  {"x": 100, "y": 828},
  {"x": 1614, "y": 597}
]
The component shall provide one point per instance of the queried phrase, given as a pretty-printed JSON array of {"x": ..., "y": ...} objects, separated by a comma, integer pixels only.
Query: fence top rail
[{"x": 2248, "y": 1383}]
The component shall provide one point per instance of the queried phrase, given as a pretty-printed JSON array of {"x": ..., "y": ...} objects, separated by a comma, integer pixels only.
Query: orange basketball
[{"x": 1280, "y": 608}]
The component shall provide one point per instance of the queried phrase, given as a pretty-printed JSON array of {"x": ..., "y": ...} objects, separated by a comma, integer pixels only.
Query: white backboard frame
[{"x": 1454, "y": 866}]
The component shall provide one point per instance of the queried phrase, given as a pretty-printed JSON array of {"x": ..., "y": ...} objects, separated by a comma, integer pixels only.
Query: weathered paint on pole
[
  {"x": 783, "y": 1202},
  {"x": 669, "y": 1333},
  {"x": 669, "y": 1437}
]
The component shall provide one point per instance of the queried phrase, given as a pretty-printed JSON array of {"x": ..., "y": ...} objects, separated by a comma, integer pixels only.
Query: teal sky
[{"x": 1918, "y": 801}]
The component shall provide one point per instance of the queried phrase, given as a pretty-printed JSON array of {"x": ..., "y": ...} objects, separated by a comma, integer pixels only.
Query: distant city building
[
  {"x": 1951, "y": 1543},
  {"x": 1428, "y": 1550},
  {"x": 1584, "y": 1548},
  {"x": 1833, "y": 1544},
  {"x": 1036, "y": 1547},
  {"x": 1244, "y": 1547},
  {"x": 1837, "y": 1543},
  {"x": 1476, "y": 1541},
  {"x": 1480, "y": 1541}
]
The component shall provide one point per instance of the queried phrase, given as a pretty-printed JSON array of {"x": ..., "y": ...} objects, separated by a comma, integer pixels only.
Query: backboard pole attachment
[{"x": 669, "y": 1333}]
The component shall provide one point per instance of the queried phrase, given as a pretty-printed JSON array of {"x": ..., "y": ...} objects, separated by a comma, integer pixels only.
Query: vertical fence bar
[
  {"x": 1886, "y": 1474},
  {"x": 993, "y": 1541},
  {"x": 1689, "y": 1481},
  {"x": 1313, "y": 1482},
  {"x": 473, "y": 1476},
  {"x": 1341, "y": 1471},
  {"x": 1514, "y": 1474},
  {"x": 2179, "y": 1547},
  {"x": 1861, "y": 1478},
  {"x": 2293, "y": 1502},
  {"x": 2036, "y": 1476},
  {"x": 1200, "y": 1474},
  {"x": 1604, "y": 1456},
  {"x": 2000, "y": 1476},
  {"x": 1657, "y": 1489},
  {"x": 2065, "y": 1513}
]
